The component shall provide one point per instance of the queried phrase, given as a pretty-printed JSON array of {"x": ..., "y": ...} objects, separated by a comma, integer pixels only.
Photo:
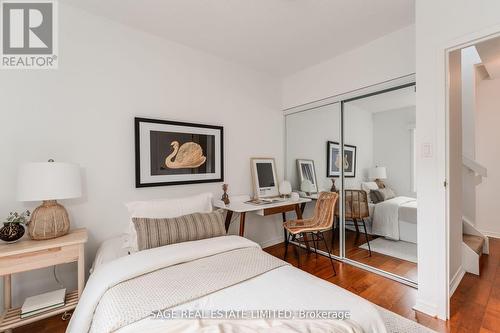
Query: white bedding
[
  {"x": 387, "y": 215},
  {"x": 280, "y": 289}
]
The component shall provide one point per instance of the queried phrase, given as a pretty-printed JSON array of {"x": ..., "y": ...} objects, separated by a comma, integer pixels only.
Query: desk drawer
[
  {"x": 281, "y": 209},
  {"x": 38, "y": 259}
]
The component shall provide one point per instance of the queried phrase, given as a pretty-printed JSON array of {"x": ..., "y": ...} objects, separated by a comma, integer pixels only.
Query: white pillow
[
  {"x": 367, "y": 187},
  {"x": 165, "y": 208},
  {"x": 110, "y": 250}
]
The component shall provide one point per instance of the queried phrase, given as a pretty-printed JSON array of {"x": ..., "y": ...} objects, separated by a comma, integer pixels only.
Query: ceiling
[
  {"x": 392, "y": 100},
  {"x": 279, "y": 37}
]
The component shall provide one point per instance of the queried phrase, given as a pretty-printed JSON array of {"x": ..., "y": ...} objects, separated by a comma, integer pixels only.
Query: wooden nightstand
[{"x": 29, "y": 255}]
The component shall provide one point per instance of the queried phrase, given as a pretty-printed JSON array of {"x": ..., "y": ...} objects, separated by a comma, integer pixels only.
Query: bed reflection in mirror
[{"x": 380, "y": 202}]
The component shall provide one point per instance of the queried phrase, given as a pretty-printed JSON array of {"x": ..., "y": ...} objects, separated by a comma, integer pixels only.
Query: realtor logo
[{"x": 28, "y": 34}]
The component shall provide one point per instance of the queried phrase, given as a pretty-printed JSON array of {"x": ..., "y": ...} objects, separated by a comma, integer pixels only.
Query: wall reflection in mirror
[{"x": 377, "y": 185}]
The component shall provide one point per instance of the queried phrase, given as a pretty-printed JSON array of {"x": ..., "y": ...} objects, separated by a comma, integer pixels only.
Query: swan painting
[
  {"x": 187, "y": 156},
  {"x": 346, "y": 162}
]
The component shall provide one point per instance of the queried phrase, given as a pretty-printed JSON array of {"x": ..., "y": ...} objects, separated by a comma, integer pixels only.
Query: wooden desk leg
[
  {"x": 242, "y": 224},
  {"x": 299, "y": 210},
  {"x": 302, "y": 207},
  {"x": 229, "y": 216},
  {"x": 285, "y": 235},
  {"x": 81, "y": 269}
]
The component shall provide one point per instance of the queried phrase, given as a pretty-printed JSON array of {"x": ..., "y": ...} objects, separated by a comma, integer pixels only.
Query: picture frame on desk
[
  {"x": 264, "y": 177},
  {"x": 307, "y": 170}
]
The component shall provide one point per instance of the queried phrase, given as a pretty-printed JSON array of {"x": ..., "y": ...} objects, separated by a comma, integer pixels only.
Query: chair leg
[
  {"x": 306, "y": 242},
  {"x": 334, "y": 230},
  {"x": 297, "y": 253},
  {"x": 315, "y": 245},
  {"x": 329, "y": 254},
  {"x": 356, "y": 226},
  {"x": 287, "y": 241},
  {"x": 367, "y": 240}
]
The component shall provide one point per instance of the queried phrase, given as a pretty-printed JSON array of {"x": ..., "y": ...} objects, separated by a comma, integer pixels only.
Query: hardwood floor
[
  {"x": 386, "y": 263},
  {"x": 475, "y": 306}
]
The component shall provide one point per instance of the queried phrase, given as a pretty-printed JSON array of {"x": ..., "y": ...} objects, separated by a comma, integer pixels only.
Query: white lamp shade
[
  {"x": 377, "y": 173},
  {"x": 48, "y": 181},
  {"x": 285, "y": 187}
]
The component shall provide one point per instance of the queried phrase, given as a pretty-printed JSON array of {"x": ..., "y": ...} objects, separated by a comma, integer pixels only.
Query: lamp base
[
  {"x": 49, "y": 220},
  {"x": 380, "y": 183}
]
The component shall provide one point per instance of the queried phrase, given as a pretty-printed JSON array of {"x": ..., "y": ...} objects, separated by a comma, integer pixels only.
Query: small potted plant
[{"x": 14, "y": 227}]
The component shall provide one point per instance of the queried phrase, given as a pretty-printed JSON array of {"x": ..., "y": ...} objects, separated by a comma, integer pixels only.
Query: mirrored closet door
[
  {"x": 380, "y": 207},
  {"x": 362, "y": 147},
  {"x": 307, "y": 133}
]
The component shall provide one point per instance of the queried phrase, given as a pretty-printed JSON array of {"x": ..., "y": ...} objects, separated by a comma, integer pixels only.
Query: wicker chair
[
  {"x": 356, "y": 210},
  {"x": 315, "y": 226}
]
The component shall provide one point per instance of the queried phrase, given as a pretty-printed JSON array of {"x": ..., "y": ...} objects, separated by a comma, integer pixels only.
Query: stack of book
[{"x": 44, "y": 302}]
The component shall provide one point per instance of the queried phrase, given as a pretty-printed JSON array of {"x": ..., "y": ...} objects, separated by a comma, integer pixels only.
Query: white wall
[
  {"x": 469, "y": 59},
  {"x": 307, "y": 134},
  {"x": 358, "y": 131},
  {"x": 487, "y": 120},
  {"x": 455, "y": 166},
  {"x": 392, "y": 147},
  {"x": 383, "y": 59},
  {"x": 439, "y": 24},
  {"x": 83, "y": 113}
]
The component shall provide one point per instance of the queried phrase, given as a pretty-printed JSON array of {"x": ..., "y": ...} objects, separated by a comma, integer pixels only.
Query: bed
[
  {"x": 395, "y": 219},
  {"x": 148, "y": 291},
  {"x": 283, "y": 287}
]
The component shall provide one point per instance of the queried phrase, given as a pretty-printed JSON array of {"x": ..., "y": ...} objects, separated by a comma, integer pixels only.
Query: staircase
[{"x": 474, "y": 245}]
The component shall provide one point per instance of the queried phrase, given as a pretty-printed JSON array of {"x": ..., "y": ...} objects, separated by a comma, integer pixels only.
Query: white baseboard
[
  {"x": 427, "y": 308},
  {"x": 455, "y": 281},
  {"x": 271, "y": 242},
  {"x": 490, "y": 233}
]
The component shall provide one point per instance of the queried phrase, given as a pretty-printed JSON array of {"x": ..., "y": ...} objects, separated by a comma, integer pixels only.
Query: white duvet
[
  {"x": 386, "y": 216},
  {"x": 284, "y": 288}
]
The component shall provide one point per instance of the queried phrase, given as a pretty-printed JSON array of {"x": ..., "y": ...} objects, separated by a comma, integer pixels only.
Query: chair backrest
[
  {"x": 356, "y": 204},
  {"x": 323, "y": 212}
]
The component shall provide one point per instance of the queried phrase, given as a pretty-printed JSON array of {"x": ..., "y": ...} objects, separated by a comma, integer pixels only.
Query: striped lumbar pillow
[{"x": 155, "y": 232}]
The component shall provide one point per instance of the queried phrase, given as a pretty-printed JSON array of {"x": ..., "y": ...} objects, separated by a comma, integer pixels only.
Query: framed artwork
[
  {"x": 306, "y": 170},
  {"x": 333, "y": 160},
  {"x": 264, "y": 176},
  {"x": 176, "y": 153}
]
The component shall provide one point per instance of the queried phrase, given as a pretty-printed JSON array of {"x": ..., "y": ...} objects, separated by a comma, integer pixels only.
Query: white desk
[{"x": 263, "y": 210}]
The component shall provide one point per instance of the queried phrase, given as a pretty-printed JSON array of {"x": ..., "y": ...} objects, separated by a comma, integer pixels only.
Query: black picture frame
[
  {"x": 218, "y": 175},
  {"x": 347, "y": 174}
]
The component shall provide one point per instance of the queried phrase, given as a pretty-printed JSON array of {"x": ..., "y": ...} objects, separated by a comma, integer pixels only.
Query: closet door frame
[{"x": 368, "y": 91}]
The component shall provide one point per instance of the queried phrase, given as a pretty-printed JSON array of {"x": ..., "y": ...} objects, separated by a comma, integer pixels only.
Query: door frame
[{"x": 444, "y": 133}]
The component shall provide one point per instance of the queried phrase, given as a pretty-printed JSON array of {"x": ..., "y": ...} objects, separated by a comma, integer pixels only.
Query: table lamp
[
  {"x": 48, "y": 182},
  {"x": 307, "y": 186},
  {"x": 378, "y": 173},
  {"x": 285, "y": 188}
]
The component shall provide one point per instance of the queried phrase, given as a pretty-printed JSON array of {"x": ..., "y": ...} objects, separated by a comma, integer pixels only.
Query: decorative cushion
[
  {"x": 367, "y": 187},
  {"x": 387, "y": 193},
  {"x": 376, "y": 196},
  {"x": 165, "y": 231},
  {"x": 382, "y": 194},
  {"x": 165, "y": 208}
]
